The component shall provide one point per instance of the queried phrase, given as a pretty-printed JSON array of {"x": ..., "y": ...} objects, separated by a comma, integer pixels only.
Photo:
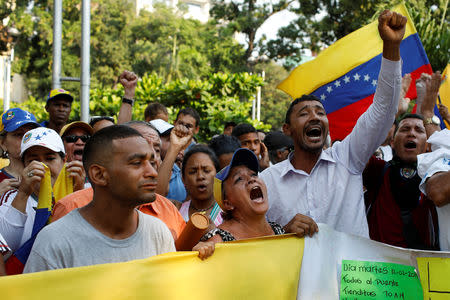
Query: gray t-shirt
[{"x": 73, "y": 242}]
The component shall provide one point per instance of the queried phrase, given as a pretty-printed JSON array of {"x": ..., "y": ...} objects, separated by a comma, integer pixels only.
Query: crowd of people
[{"x": 131, "y": 188}]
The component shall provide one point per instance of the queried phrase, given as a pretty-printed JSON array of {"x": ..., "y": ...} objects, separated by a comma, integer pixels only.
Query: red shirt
[{"x": 385, "y": 222}]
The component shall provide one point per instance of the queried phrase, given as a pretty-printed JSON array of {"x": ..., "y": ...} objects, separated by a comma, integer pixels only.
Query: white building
[{"x": 197, "y": 9}]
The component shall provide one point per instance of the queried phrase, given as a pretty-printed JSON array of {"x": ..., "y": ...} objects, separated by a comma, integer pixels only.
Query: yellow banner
[{"x": 267, "y": 268}]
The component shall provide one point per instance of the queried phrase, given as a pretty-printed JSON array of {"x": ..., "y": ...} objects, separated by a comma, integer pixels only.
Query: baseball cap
[
  {"x": 241, "y": 157},
  {"x": 15, "y": 117},
  {"x": 44, "y": 137},
  {"x": 76, "y": 124},
  {"x": 59, "y": 93},
  {"x": 162, "y": 126},
  {"x": 277, "y": 140}
]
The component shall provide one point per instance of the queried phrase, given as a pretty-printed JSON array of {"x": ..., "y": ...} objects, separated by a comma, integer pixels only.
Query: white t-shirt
[
  {"x": 72, "y": 242},
  {"x": 15, "y": 226},
  {"x": 430, "y": 163}
]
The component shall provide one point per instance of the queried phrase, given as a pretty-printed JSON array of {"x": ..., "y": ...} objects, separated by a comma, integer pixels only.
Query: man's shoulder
[
  {"x": 150, "y": 222},
  {"x": 276, "y": 169},
  {"x": 64, "y": 224},
  {"x": 154, "y": 229},
  {"x": 375, "y": 166},
  {"x": 56, "y": 234}
]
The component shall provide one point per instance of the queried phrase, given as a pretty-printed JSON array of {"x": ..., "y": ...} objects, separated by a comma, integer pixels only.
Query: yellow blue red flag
[
  {"x": 444, "y": 90},
  {"x": 344, "y": 76}
]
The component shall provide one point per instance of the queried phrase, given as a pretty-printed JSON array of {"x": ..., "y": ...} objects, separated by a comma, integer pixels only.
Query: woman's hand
[
  {"x": 9, "y": 184},
  {"x": 31, "y": 177},
  {"x": 205, "y": 249},
  {"x": 301, "y": 225},
  {"x": 76, "y": 172}
]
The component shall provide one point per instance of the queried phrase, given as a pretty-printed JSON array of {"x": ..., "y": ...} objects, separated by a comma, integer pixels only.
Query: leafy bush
[{"x": 218, "y": 99}]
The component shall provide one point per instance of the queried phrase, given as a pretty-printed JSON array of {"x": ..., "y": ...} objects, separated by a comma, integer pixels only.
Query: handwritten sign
[
  {"x": 434, "y": 275},
  {"x": 376, "y": 280}
]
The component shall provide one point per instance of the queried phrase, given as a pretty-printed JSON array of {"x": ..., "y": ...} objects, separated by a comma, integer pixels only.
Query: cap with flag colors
[
  {"x": 60, "y": 93},
  {"x": 344, "y": 76},
  {"x": 44, "y": 137},
  {"x": 241, "y": 157},
  {"x": 14, "y": 118}
]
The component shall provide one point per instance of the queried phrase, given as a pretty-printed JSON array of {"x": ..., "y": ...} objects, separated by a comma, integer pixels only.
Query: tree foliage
[
  {"x": 246, "y": 16},
  {"x": 160, "y": 42},
  {"x": 218, "y": 98},
  {"x": 339, "y": 18},
  {"x": 432, "y": 22},
  {"x": 274, "y": 102}
]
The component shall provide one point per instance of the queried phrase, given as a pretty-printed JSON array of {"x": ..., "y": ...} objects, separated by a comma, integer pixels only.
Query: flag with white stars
[{"x": 345, "y": 75}]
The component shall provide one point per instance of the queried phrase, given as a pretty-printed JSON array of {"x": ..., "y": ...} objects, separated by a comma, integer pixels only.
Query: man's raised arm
[{"x": 373, "y": 126}]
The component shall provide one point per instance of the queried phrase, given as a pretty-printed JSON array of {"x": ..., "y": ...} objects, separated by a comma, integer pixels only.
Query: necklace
[{"x": 201, "y": 209}]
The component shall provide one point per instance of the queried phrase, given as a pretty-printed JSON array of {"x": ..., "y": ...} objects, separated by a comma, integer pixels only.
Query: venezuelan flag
[
  {"x": 344, "y": 76},
  {"x": 444, "y": 91}
]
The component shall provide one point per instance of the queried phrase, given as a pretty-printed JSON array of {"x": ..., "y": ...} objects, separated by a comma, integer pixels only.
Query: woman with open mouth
[
  {"x": 199, "y": 167},
  {"x": 242, "y": 195}
]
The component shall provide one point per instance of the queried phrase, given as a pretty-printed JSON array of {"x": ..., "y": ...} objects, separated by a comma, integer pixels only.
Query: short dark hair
[
  {"x": 406, "y": 116},
  {"x": 223, "y": 144},
  {"x": 243, "y": 128},
  {"x": 96, "y": 119},
  {"x": 153, "y": 109},
  {"x": 199, "y": 148},
  {"x": 309, "y": 97},
  {"x": 99, "y": 145},
  {"x": 230, "y": 123},
  {"x": 189, "y": 111}
]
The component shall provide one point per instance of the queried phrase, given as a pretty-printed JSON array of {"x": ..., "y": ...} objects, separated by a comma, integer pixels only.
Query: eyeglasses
[{"x": 74, "y": 138}]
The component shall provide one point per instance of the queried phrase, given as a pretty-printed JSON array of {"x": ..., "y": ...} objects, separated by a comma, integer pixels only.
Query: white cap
[
  {"x": 44, "y": 137},
  {"x": 161, "y": 125}
]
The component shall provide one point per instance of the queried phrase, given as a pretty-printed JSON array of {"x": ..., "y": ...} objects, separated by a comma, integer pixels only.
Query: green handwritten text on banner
[{"x": 377, "y": 280}]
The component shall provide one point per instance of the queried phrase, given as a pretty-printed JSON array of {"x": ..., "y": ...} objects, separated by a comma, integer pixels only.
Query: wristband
[{"x": 128, "y": 101}]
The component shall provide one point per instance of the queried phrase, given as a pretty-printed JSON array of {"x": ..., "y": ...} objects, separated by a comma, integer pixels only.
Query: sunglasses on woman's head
[{"x": 74, "y": 138}]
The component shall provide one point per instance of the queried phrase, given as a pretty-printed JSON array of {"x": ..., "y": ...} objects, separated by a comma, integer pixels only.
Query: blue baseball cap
[
  {"x": 14, "y": 118},
  {"x": 241, "y": 157}
]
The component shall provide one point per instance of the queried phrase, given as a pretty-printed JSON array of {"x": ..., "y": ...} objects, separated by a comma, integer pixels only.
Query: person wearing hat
[
  {"x": 15, "y": 122},
  {"x": 58, "y": 106},
  {"x": 242, "y": 195},
  {"x": 75, "y": 135},
  {"x": 279, "y": 146},
  {"x": 39, "y": 146}
]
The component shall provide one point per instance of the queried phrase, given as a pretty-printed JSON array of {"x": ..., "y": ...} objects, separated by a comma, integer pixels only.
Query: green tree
[
  {"x": 432, "y": 22},
  {"x": 218, "y": 98},
  {"x": 246, "y": 17},
  {"x": 274, "y": 103},
  {"x": 160, "y": 42},
  {"x": 309, "y": 31},
  {"x": 175, "y": 47}
]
